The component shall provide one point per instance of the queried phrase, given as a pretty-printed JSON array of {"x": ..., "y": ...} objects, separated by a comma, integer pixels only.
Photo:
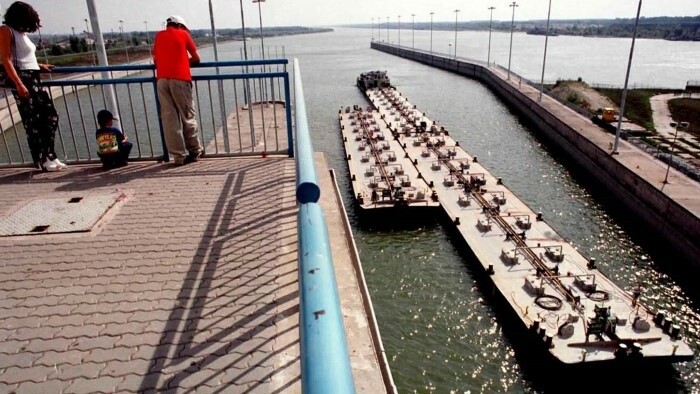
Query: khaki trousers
[{"x": 179, "y": 118}]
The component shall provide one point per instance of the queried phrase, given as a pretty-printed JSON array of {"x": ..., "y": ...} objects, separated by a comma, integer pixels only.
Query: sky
[{"x": 58, "y": 16}]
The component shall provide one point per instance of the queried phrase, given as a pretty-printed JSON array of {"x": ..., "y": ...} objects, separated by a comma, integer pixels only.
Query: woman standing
[{"x": 36, "y": 108}]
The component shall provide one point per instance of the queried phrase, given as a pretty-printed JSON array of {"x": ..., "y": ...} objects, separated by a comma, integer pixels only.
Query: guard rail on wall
[
  {"x": 241, "y": 110},
  {"x": 325, "y": 361}
]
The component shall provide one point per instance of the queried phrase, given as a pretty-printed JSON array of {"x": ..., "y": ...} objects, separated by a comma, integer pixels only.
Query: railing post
[{"x": 288, "y": 111}]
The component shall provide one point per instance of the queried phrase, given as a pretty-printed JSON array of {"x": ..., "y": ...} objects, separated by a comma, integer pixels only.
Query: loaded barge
[
  {"x": 383, "y": 179},
  {"x": 574, "y": 311}
]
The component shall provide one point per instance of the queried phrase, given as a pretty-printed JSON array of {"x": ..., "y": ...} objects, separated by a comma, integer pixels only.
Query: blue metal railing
[
  {"x": 325, "y": 361},
  {"x": 251, "y": 86}
]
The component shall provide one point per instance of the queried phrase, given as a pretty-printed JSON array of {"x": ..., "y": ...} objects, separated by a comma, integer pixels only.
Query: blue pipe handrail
[
  {"x": 123, "y": 81},
  {"x": 144, "y": 67},
  {"x": 325, "y": 360},
  {"x": 307, "y": 183}
]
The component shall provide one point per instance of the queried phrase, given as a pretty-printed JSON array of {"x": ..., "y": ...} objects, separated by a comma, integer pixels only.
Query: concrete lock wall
[{"x": 675, "y": 225}]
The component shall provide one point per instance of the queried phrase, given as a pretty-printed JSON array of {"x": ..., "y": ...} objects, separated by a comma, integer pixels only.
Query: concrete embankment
[{"x": 670, "y": 211}]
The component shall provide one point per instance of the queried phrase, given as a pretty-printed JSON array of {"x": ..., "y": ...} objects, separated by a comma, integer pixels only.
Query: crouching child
[{"x": 112, "y": 146}]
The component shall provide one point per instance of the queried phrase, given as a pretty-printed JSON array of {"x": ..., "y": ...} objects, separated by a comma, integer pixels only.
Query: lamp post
[
  {"x": 247, "y": 99},
  {"x": 488, "y": 57},
  {"x": 456, "y": 13},
  {"x": 673, "y": 145},
  {"x": 87, "y": 36},
  {"x": 262, "y": 48},
  {"x": 512, "y": 24},
  {"x": 388, "y": 39},
  {"x": 399, "y": 30},
  {"x": 372, "y": 29},
  {"x": 431, "y": 32},
  {"x": 413, "y": 35},
  {"x": 379, "y": 29},
  {"x": 544, "y": 60},
  {"x": 73, "y": 29},
  {"x": 126, "y": 44},
  {"x": 627, "y": 77},
  {"x": 262, "y": 41},
  {"x": 148, "y": 40}
]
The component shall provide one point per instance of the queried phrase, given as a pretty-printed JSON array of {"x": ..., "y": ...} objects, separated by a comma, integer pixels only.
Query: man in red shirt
[{"x": 173, "y": 53}]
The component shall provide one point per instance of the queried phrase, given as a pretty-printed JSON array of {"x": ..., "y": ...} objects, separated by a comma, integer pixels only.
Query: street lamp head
[
  {"x": 674, "y": 124},
  {"x": 685, "y": 125}
]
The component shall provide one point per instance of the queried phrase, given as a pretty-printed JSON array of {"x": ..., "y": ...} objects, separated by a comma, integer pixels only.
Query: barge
[
  {"x": 382, "y": 177},
  {"x": 573, "y": 310}
]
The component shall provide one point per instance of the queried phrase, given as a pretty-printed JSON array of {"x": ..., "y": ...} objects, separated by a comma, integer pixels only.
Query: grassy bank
[
  {"x": 637, "y": 105},
  {"x": 686, "y": 110}
]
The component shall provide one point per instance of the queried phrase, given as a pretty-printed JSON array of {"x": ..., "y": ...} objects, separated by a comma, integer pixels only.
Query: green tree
[
  {"x": 74, "y": 44},
  {"x": 56, "y": 50}
]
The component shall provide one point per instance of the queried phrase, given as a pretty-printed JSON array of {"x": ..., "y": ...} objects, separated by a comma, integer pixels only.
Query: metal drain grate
[{"x": 57, "y": 215}]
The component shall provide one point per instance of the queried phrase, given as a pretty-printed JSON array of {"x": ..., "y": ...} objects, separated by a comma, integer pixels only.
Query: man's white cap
[{"x": 176, "y": 19}]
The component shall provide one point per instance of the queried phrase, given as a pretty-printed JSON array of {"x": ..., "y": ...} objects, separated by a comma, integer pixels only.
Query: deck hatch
[{"x": 57, "y": 215}]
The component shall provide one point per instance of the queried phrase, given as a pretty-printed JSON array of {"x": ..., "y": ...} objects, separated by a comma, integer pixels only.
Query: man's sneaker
[
  {"x": 193, "y": 157},
  {"x": 51, "y": 166},
  {"x": 61, "y": 164}
]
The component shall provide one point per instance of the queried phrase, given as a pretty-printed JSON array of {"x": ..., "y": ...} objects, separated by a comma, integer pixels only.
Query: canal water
[{"x": 441, "y": 331}]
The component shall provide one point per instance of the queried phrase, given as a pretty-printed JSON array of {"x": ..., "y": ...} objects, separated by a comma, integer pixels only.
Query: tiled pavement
[{"x": 188, "y": 284}]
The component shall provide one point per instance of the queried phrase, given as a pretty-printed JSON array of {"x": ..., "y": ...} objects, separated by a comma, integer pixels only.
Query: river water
[{"x": 441, "y": 332}]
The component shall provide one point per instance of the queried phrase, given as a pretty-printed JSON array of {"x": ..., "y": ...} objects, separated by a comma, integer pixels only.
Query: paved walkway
[{"x": 188, "y": 283}]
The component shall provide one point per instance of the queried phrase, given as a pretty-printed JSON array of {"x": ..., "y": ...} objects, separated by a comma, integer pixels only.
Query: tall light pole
[
  {"x": 372, "y": 29},
  {"x": 544, "y": 60},
  {"x": 126, "y": 44},
  {"x": 220, "y": 85},
  {"x": 262, "y": 49},
  {"x": 379, "y": 28},
  {"x": 627, "y": 77},
  {"x": 246, "y": 95},
  {"x": 388, "y": 39},
  {"x": 148, "y": 40},
  {"x": 431, "y": 32},
  {"x": 512, "y": 24},
  {"x": 399, "y": 30},
  {"x": 673, "y": 145},
  {"x": 108, "y": 91},
  {"x": 413, "y": 35},
  {"x": 262, "y": 41},
  {"x": 87, "y": 37},
  {"x": 456, "y": 13},
  {"x": 73, "y": 29},
  {"x": 488, "y": 58}
]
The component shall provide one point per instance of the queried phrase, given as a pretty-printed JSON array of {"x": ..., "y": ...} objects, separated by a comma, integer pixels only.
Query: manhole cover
[{"x": 57, "y": 215}]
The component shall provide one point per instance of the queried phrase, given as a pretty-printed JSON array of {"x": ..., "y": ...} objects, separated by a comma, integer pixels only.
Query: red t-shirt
[{"x": 170, "y": 53}]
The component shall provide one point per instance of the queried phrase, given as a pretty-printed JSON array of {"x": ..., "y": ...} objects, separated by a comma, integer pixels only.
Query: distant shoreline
[{"x": 686, "y": 28}]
